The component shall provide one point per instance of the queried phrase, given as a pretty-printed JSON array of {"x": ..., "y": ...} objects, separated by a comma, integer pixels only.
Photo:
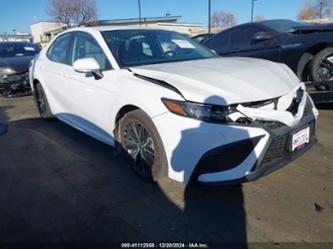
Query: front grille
[
  {"x": 15, "y": 81},
  {"x": 275, "y": 125},
  {"x": 279, "y": 148},
  {"x": 276, "y": 150},
  {"x": 18, "y": 78},
  {"x": 271, "y": 125}
]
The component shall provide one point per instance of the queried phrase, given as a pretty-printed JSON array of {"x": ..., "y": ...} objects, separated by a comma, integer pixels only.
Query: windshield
[
  {"x": 18, "y": 49},
  {"x": 283, "y": 26},
  {"x": 142, "y": 47}
]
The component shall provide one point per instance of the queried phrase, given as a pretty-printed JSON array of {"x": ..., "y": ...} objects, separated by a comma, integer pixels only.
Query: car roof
[
  {"x": 274, "y": 20},
  {"x": 112, "y": 28}
]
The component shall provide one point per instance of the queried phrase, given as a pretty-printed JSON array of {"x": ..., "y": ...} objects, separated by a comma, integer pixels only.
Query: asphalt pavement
[{"x": 57, "y": 184}]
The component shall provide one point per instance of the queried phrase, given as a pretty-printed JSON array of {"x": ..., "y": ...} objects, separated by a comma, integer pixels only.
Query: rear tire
[
  {"x": 142, "y": 144},
  {"x": 42, "y": 103}
]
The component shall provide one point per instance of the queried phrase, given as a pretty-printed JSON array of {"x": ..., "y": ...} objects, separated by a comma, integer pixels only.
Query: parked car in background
[
  {"x": 306, "y": 48},
  {"x": 202, "y": 37},
  {"x": 175, "y": 107},
  {"x": 14, "y": 66}
]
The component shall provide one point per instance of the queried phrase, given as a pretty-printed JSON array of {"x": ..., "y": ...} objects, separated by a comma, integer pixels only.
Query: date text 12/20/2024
[{"x": 164, "y": 245}]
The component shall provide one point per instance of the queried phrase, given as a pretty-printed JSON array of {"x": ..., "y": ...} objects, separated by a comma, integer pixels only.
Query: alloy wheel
[
  {"x": 325, "y": 70},
  {"x": 140, "y": 146},
  {"x": 41, "y": 103}
]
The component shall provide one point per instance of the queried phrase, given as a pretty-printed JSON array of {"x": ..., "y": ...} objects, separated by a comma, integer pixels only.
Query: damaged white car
[{"x": 177, "y": 109}]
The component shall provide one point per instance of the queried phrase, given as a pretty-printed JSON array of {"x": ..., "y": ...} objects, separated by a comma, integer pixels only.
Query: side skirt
[{"x": 87, "y": 128}]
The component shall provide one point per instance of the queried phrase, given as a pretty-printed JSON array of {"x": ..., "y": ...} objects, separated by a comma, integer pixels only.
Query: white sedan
[{"x": 176, "y": 108}]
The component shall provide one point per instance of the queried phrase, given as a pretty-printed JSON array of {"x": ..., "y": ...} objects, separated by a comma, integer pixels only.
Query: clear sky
[{"x": 20, "y": 14}]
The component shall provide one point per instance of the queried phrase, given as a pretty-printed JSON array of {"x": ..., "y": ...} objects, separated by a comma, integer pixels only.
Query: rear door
[{"x": 56, "y": 68}]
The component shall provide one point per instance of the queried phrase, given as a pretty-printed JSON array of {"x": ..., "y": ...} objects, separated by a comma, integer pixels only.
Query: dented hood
[{"x": 224, "y": 81}]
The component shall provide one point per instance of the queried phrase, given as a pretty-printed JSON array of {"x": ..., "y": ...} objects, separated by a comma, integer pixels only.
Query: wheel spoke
[
  {"x": 133, "y": 153},
  {"x": 130, "y": 140},
  {"x": 148, "y": 156},
  {"x": 135, "y": 131}
]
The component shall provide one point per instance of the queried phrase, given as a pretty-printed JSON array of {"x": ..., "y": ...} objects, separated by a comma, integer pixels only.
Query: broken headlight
[{"x": 204, "y": 112}]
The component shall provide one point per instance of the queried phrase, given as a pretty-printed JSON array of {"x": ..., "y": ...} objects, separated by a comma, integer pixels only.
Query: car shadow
[
  {"x": 3, "y": 118},
  {"x": 221, "y": 208},
  {"x": 59, "y": 184}
]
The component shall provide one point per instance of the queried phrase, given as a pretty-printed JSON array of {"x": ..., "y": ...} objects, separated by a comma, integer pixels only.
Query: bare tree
[
  {"x": 260, "y": 18},
  {"x": 222, "y": 19},
  {"x": 323, "y": 8},
  {"x": 316, "y": 9},
  {"x": 78, "y": 12}
]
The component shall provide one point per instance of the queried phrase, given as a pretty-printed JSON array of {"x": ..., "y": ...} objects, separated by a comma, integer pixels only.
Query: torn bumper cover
[
  {"x": 285, "y": 120},
  {"x": 15, "y": 85}
]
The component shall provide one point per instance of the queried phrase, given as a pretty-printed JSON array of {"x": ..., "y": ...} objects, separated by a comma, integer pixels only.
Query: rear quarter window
[{"x": 60, "y": 49}]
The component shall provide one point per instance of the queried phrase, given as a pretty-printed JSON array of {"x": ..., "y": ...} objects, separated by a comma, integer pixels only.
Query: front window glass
[
  {"x": 18, "y": 49},
  {"x": 142, "y": 47},
  {"x": 86, "y": 46},
  {"x": 242, "y": 37}
]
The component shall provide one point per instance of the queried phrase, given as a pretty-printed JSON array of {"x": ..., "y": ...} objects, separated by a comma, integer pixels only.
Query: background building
[
  {"x": 43, "y": 32},
  {"x": 18, "y": 37}
]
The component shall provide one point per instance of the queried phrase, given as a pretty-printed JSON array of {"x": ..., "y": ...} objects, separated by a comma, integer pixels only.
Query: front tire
[
  {"x": 141, "y": 142},
  {"x": 42, "y": 103},
  {"x": 321, "y": 68}
]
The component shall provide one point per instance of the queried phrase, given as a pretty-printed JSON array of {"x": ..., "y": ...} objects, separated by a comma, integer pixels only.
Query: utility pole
[
  {"x": 321, "y": 9},
  {"x": 209, "y": 16},
  {"x": 139, "y": 5},
  {"x": 252, "y": 9}
]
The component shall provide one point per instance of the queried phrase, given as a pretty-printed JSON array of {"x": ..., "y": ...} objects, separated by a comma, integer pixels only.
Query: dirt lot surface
[{"x": 57, "y": 184}]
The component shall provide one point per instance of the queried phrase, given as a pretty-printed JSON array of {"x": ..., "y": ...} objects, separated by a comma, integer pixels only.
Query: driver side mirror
[
  {"x": 88, "y": 65},
  {"x": 262, "y": 36}
]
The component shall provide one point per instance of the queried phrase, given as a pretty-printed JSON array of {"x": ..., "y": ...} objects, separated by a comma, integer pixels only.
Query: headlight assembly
[
  {"x": 204, "y": 112},
  {"x": 6, "y": 71}
]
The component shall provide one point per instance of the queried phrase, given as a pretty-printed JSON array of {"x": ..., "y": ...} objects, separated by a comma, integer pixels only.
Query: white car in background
[{"x": 176, "y": 108}]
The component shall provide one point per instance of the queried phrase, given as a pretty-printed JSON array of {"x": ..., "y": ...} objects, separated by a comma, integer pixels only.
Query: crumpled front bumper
[
  {"x": 276, "y": 153},
  {"x": 214, "y": 153},
  {"x": 14, "y": 85}
]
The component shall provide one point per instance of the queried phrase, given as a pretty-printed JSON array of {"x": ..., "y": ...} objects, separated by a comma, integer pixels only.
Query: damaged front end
[
  {"x": 286, "y": 110},
  {"x": 15, "y": 85},
  {"x": 290, "y": 121}
]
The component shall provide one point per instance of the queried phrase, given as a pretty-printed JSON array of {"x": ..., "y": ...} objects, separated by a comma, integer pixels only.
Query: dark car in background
[
  {"x": 306, "y": 48},
  {"x": 202, "y": 37},
  {"x": 14, "y": 66}
]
